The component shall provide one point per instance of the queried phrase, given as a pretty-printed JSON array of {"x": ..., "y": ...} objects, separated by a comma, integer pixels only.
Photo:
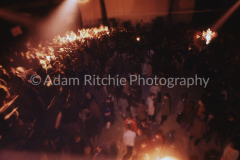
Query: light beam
[
  {"x": 62, "y": 19},
  {"x": 220, "y": 22}
]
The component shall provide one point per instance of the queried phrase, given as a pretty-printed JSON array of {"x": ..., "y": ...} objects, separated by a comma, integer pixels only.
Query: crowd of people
[{"x": 69, "y": 119}]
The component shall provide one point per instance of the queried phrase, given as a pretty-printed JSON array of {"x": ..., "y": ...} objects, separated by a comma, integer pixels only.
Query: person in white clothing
[
  {"x": 230, "y": 153},
  {"x": 151, "y": 107},
  {"x": 155, "y": 89},
  {"x": 128, "y": 139}
]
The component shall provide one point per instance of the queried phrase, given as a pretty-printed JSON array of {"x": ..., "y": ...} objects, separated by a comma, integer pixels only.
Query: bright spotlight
[
  {"x": 83, "y": 1},
  {"x": 61, "y": 19},
  {"x": 169, "y": 158}
]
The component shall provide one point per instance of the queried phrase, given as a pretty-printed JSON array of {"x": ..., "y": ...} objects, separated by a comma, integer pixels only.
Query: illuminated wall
[
  {"x": 90, "y": 11},
  {"x": 183, "y": 9},
  {"x": 135, "y": 10}
]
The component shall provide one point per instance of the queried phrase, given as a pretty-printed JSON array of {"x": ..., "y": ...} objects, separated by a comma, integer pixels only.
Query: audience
[{"x": 27, "y": 110}]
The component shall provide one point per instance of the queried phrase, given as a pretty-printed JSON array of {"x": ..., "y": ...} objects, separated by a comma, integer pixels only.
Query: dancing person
[
  {"x": 151, "y": 107},
  {"x": 128, "y": 139}
]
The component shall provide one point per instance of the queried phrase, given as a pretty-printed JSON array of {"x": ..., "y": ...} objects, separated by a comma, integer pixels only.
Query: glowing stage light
[
  {"x": 83, "y": 1},
  {"x": 169, "y": 158},
  {"x": 207, "y": 35}
]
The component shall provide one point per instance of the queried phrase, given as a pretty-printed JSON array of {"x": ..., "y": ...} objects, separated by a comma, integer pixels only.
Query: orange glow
[
  {"x": 83, "y": 33},
  {"x": 49, "y": 83},
  {"x": 208, "y": 35},
  {"x": 83, "y": 1},
  {"x": 61, "y": 19},
  {"x": 169, "y": 158},
  {"x": 46, "y": 54}
]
